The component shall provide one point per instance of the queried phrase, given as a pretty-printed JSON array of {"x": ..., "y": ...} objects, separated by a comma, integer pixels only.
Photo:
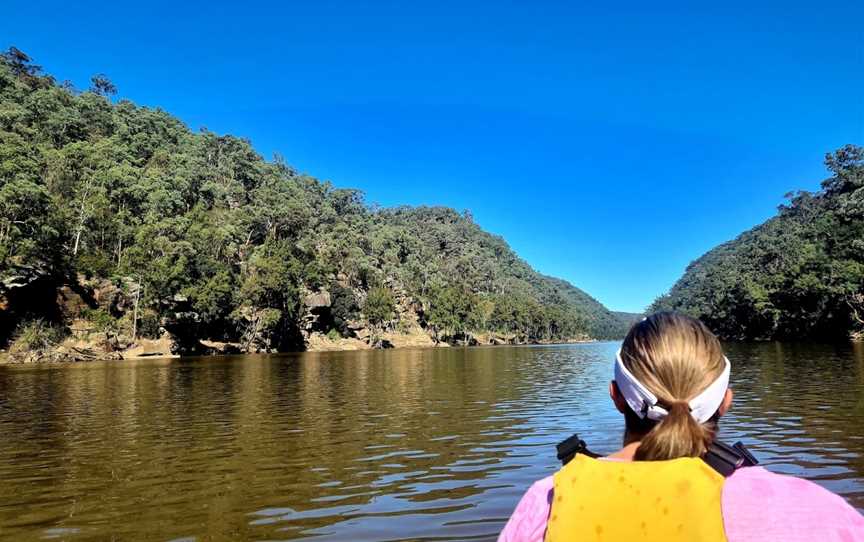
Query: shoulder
[
  {"x": 761, "y": 505},
  {"x": 528, "y": 521}
]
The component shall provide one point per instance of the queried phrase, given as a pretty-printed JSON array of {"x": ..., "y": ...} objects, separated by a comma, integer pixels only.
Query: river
[{"x": 433, "y": 444}]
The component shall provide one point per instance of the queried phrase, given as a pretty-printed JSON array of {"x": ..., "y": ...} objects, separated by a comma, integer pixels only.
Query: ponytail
[
  {"x": 675, "y": 357},
  {"x": 676, "y": 435}
]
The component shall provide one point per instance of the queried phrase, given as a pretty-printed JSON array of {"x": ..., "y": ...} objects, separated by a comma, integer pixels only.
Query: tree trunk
[
  {"x": 135, "y": 311},
  {"x": 77, "y": 241},
  {"x": 82, "y": 217}
]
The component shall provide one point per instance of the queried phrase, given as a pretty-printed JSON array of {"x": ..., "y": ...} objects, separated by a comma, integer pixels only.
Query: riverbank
[
  {"x": 88, "y": 319},
  {"x": 78, "y": 351},
  {"x": 322, "y": 343}
]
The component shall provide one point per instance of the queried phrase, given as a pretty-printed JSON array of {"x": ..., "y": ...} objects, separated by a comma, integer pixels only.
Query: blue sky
[{"x": 610, "y": 146}]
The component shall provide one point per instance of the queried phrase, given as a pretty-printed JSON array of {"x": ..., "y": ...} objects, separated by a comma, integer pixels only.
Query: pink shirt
[{"x": 758, "y": 505}]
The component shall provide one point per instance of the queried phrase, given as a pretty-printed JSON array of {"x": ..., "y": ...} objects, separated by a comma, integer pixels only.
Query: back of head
[{"x": 676, "y": 357}]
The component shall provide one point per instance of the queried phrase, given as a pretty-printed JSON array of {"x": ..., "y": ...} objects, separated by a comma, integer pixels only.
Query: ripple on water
[{"x": 412, "y": 444}]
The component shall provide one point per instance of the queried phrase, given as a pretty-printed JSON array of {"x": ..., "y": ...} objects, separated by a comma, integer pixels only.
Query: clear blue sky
[{"x": 610, "y": 146}]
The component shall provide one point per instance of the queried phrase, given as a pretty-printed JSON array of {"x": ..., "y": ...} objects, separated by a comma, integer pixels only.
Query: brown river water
[{"x": 434, "y": 444}]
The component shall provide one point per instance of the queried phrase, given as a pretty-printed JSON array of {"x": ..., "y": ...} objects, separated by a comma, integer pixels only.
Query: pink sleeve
[
  {"x": 528, "y": 521},
  {"x": 761, "y": 505}
]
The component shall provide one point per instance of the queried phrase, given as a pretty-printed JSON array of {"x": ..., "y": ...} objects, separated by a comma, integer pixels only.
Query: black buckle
[
  {"x": 727, "y": 459},
  {"x": 721, "y": 457},
  {"x": 568, "y": 449}
]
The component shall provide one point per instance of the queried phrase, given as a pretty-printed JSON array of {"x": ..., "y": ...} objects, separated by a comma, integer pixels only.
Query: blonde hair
[{"x": 676, "y": 357}]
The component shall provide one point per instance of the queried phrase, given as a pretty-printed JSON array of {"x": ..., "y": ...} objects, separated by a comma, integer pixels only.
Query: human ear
[
  {"x": 617, "y": 398},
  {"x": 727, "y": 402}
]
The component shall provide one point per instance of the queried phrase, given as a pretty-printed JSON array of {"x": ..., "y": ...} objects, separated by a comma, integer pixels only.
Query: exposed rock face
[
  {"x": 404, "y": 331},
  {"x": 27, "y": 292},
  {"x": 220, "y": 348},
  {"x": 21, "y": 276},
  {"x": 317, "y": 316},
  {"x": 110, "y": 296},
  {"x": 320, "y": 299},
  {"x": 360, "y": 330},
  {"x": 62, "y": 354},
  {"x": 407, "y": 330},
  {"x": 413, "y": 339},
  {"x": 494, "y": 339},
  {"x": 321, "y": 343},
  {"x": 95, "y": 348},
  {"x": 71, "y": 303},
  {"x": 162, "y": 347}
]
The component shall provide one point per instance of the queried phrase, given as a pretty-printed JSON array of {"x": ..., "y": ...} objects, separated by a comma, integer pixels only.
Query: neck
[{"x": 627, "y": 452}]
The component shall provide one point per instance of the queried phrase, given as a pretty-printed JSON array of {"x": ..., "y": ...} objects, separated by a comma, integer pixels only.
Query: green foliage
[
  {"x": 796, "y": 276},
  {"x": 404, "y": 326},
  {"x": 219, "y": 237},
  {"x": 271, "y": 278},
  {"x": 213, "y": 297},
  {"x": 379, "y": 307},
  {"x": 448, "y": 310},
  {"x": 343, "y": 307},
  {"x": 101, "y": 85},
  {"x": 102, "y": 321},
  {"x": 149, "y": 324},
  {"x": 480, "y": 313},
  {"x": 36, "y": 335}
]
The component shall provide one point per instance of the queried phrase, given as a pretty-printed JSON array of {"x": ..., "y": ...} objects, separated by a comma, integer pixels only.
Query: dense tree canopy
[
  {"x": 209, "y": 231},
  {"x": 799, "y": 275}
]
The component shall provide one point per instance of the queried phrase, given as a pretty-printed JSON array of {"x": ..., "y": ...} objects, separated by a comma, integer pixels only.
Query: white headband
[{"x": 644, "y": 403}]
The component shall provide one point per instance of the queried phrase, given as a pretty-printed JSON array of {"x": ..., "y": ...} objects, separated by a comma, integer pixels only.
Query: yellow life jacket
[{"x": 673, "y": 500}]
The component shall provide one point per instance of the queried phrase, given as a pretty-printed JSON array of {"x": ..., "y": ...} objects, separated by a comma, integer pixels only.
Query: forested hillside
[
  {"x": 800, "y": 275},
  {"x": 201, "y": 235}
]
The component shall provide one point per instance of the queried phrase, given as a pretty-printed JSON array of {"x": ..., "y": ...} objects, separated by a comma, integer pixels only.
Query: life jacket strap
[
  {"x": 727, "y": 459},
  {"x": 568, "y": 449},
  {"x": 721, "y": 457}
]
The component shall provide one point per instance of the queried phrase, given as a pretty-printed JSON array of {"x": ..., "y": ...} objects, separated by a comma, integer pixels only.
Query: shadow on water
[{"x": 381, "y": 445}]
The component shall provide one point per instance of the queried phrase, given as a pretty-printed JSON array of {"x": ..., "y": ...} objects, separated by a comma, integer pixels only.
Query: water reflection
[
  {"x": 387, "y": 445},
  {"x": 802, "y": 408}
]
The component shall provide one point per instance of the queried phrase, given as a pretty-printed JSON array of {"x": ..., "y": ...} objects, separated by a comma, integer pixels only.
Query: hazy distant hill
[
  {"x": 203, "y": 236},
  {"x": 628, "y": 318}
]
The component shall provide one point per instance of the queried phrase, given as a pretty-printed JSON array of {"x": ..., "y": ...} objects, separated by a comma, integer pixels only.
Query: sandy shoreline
[{"x": 345, "y": 345}]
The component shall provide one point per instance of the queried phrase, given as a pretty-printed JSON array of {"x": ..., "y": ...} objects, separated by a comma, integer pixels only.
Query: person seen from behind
[{"x": 671, "y": 385}]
